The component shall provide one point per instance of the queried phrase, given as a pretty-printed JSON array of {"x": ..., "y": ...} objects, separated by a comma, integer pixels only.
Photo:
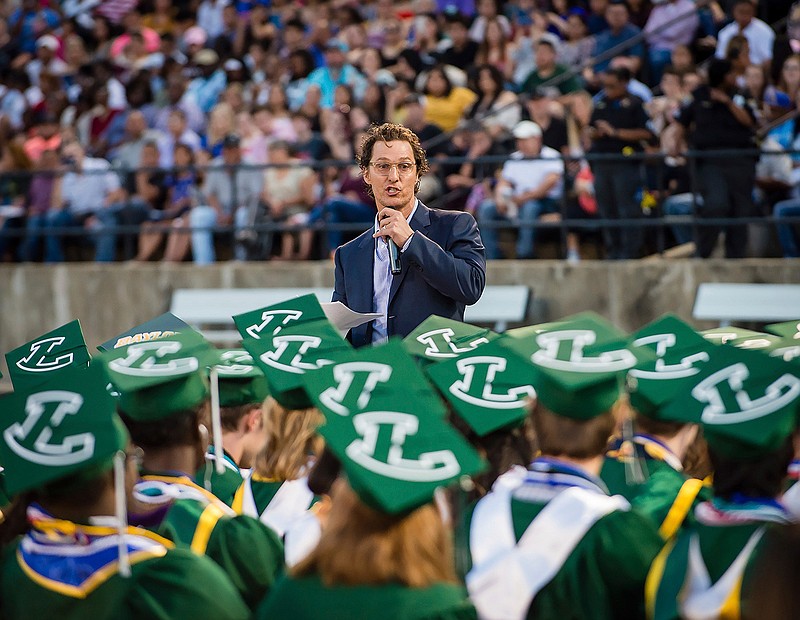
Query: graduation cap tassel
[
  {"x": 216, "y": 423},
  {"x": 634, "y": 471},
  {"x": 121, "y": 508}
]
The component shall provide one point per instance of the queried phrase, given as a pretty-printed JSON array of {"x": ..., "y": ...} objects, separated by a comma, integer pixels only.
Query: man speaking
[{"x": 415, "y": 261}]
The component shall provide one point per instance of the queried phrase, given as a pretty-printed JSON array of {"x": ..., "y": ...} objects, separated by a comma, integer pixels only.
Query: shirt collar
[{"x": 408, "y": 219}]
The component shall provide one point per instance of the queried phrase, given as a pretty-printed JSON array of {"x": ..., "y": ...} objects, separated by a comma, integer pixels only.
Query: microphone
[{"x": 394, "y": 257}]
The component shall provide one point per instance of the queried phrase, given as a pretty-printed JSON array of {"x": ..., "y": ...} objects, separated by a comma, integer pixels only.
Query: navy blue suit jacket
[{"x": 443, "y": 271}]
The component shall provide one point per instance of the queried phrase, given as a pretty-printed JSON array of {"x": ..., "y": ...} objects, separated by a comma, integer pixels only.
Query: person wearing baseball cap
[{"x": 530, "y": 185}]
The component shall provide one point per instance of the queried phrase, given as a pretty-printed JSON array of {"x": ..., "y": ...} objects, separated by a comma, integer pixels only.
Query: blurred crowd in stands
[{"x": 196, "y": 121}]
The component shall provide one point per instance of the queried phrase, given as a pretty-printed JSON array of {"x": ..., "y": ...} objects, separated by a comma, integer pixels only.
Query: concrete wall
[{"x": 110, "y": 298}]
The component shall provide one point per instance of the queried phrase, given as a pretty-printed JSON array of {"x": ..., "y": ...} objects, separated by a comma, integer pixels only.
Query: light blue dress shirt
[{"x": 382, "y": 282}]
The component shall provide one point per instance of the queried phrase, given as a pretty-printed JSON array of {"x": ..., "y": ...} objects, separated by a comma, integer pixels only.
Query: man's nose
[{"x": 394, "y": 173}]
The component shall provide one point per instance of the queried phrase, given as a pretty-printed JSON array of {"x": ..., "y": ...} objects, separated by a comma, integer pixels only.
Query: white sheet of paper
[{"x": 343, "y": 318}]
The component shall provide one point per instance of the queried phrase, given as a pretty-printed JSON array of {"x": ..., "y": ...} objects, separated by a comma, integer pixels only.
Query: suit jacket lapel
[
  {"x": 420, "y": 221},
  {"x": 365, "y": 257}
]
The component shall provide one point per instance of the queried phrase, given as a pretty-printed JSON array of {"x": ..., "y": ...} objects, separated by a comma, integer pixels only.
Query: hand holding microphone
[{"x": 396, "y": 230}]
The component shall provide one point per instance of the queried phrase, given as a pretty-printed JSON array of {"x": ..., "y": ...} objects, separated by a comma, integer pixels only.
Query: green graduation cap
[
  {"x": 579, "y": 363},
  {"x": 531, "y": 330},
  {"x": 386, "y": 425},
  {"x": 437, "y": 339},
  {"x": 488, "y": 388},
  {"x": 680, "y": 353},
  {"x": 785, "y": 349},
  {"x": 747, "y": 402},
  {"x": 271, "y": 320},
  {"x": 789, "y": 329},
  {"x": 158, "y": 378},
  {"x": 165, "y": 325},
  {"x": 59, "y": 429},
  {"x": 44, "y": 357},
  {"x": 288, "y": 340},
  {"x": 371, "y": 378},
  {"x": 241, "y": 382},
  {"x": 739, "y": 337}
]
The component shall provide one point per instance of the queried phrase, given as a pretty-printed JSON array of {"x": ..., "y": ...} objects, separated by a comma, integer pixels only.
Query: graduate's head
[
  {"x": 241, "y": 388},
  {"x": 561, "y": 436},
  {"x": 747, "y": 403},
  {"x": 578, "y": 364},
  {"x": 362, "y": 546},
  {"x": 290, "y": 441},
  {"x": 66, "y": 462},
  {"x": 386, "y": 426},
  {"x": 163, "y": 390},
  {"x": 487, "y": 389}
]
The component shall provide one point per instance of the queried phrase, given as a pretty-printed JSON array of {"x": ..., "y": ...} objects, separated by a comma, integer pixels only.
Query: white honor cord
[
  {"x": 121, "y": 509},
  {"x": 216, "y": 423}
]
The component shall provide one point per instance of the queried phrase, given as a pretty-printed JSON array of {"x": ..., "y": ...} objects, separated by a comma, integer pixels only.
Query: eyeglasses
[{"x": 404, "y": 168}]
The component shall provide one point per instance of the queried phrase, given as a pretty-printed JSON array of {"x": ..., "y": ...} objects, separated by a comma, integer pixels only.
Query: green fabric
[
  {"x": 719, "y": 547},
  {"x": 178, "y": 585},
  {"x": 287, "y": 340},
  {"x": 162, "y": 326},
  {"x": 5, "y": 496},
  {"x": 250, "y": 553},
  {"x": 157, "y": 379},
  {"x": 604, "y": 575},
  {"x": 386, "y": 425},
  {"x": 263, "y": 492},
  {"x": 307, "y": 598},
  {"x": 680, "y": 352},
  {"x": 46, "y": 356},
  {"x": 578, "y": 364},
  {"x": 655, "y": 496},
  {"x": 241, "y": 382},
  {"x": 534, "y": 81},
  {"x": 59, "y": 429},
  {"x": 222, "y": 485},
  {"x": 437, "y": 339},
  {"x": 488, "y": 388},
  {"x": 748, "y": 402}
]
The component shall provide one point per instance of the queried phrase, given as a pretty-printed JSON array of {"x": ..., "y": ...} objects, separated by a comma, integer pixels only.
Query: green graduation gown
[
  {"x": 665, "y": 492},
  {"x": 706, "y": 569},
  {"x": 307, "y": 598},
  {"x": 250, "y": 553},
  {"x": 222, "y": 485},
  {"x": 65, "y": 570},
  {"x": 600, "y": 574}
]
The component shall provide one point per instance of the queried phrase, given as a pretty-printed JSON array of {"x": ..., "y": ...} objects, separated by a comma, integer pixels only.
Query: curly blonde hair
[{"x": 290, "y": 440}]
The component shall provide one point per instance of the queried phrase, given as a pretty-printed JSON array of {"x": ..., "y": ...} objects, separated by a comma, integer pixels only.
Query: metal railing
[{"x": 655, "y": 220}]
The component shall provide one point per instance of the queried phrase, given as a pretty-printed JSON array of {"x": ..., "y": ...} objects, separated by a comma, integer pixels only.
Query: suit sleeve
[
  {"x": 339, "y": 292},
  {"x": 459, "y": 269}
]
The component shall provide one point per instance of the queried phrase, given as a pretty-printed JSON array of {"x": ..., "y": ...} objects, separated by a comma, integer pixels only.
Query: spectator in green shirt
[{"x": 547, "y": 70}]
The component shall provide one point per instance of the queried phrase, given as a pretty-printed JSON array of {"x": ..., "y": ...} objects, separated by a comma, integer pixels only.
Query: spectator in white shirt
[
  {"x": 530, "y": 185},
  {"x": 759, "y": 35}
]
